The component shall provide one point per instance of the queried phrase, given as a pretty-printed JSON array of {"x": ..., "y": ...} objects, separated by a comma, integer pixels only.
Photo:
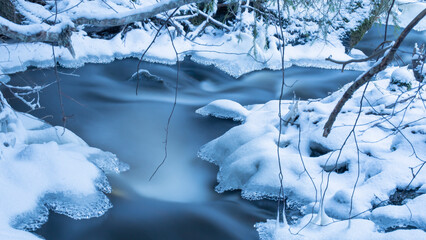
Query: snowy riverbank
[
  {"x": 45, "y": 168},
  {"x": 375, "y": 177}
]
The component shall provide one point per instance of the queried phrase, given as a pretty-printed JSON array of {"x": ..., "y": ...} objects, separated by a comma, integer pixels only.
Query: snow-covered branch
[
  {"x": 366, "y": 76},
  {"x": 124, "y": 18},
  {"x": 60, "y": 33}
]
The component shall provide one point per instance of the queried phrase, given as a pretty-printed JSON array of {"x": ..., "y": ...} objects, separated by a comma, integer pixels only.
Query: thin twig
[{"x": 173, "y": 108}]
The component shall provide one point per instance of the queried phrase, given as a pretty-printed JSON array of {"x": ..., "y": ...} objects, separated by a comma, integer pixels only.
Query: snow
[
  {"x": 46, "y": 168},
  {"x": 405, "y": 10},
  {"x": 359, "y": 229},
  {"x": 225, "y": 109},
  {"x": 230, "y": 56},
  {"x": 235, "y": 52},
  {"x": 387, "y": 158}
]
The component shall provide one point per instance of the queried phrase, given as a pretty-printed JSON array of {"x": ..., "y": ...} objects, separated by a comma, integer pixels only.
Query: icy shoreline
[
  {"x": 45, "y": 168},
  {"x": 223, "y": 51}
]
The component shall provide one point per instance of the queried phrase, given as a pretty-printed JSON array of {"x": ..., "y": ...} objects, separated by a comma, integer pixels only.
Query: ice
[
  {"x": 383, "y": 167},
  {"x": 46, "y": 168}
]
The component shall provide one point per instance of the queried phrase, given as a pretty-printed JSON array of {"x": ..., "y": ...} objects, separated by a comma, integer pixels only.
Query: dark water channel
[{"x": 180, "y": 202}]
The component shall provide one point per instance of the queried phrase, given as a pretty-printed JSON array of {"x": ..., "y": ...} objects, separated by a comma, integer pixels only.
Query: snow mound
[
  {"x": 225, "y": 109},
  {"x": 389, "y": 148},
  {"x": 359, "y": 229},
  {"x": 46, "y": 168}
]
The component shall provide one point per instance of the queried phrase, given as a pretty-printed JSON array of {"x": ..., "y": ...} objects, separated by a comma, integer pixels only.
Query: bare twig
[
  {"x": 173, "y": 108},
  {"x": 149, "y": 46},
  {"x": 387, "y": 19}
]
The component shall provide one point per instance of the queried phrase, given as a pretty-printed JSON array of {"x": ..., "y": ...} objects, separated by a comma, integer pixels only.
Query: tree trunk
[{"x": 8, "y": 11}]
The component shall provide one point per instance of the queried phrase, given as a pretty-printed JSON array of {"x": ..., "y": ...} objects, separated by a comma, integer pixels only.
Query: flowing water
[{"x": 179, "y": 202}]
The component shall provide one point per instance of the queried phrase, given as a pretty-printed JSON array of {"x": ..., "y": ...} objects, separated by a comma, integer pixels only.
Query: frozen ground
[
  {"x": 45, "y": 168},
  {"x": 375, "y": 176}
]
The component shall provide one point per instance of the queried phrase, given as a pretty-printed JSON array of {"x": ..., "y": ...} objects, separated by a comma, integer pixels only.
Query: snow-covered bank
[
  {"x": 245, "y": 44},
  {"x": 389, "y": 148},
  {"x": 225, "y": 51},
  {"x": 234, "y": 49},
  {"x": 46, "y": 168}
]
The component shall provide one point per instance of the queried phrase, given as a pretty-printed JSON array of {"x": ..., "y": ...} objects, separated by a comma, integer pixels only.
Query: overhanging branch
[{"x": 366, "y": 76}]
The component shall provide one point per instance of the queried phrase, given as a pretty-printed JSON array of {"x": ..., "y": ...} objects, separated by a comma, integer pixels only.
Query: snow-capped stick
[{"x": 366, "y": 76}]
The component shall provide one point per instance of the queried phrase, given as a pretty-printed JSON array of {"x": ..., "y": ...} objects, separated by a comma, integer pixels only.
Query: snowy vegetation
[{"x": 367, "y": 174}]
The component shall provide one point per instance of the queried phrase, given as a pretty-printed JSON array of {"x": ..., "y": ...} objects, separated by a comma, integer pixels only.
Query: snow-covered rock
[
  {"x": 351, "y": 175},
  {"x": 46, "y": 168}
]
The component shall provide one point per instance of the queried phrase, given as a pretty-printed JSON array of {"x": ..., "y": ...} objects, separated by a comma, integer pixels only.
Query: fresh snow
[
  {"x": 235, "y": 51},
  {"x": 46, "y": 168},
  {"x": 404, "y": 11},
  {"x": 391, "y": 137}
]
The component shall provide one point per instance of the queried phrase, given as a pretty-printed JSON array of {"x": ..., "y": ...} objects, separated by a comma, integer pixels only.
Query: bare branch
[
  {"x": 366, "y": 76},
  {"x": 344, "y": 63}
]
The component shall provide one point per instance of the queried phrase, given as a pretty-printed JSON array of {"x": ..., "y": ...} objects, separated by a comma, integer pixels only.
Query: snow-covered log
[
  {"x": 120, "y": 19},
  {"x": 59, "y": 33}
]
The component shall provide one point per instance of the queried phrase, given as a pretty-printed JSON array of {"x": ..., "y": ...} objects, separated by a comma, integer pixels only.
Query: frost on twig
[{"x": 22, "y": 93}]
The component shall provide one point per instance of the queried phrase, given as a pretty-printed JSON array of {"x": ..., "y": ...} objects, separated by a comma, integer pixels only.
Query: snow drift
[
  {"x": 375, "y": 177},
  {"x": 45, "y": 168}
]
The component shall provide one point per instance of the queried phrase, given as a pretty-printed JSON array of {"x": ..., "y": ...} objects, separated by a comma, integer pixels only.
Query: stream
[{"x": 180, "y": 201}]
